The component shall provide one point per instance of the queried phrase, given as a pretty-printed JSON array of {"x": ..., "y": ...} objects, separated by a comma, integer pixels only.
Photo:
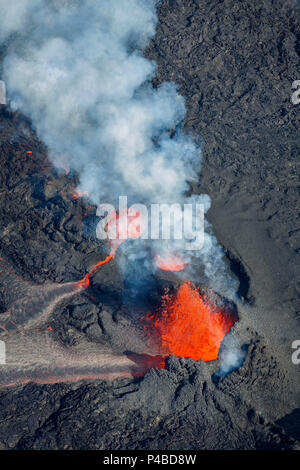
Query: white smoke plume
[{"x": 76, "y": 67}]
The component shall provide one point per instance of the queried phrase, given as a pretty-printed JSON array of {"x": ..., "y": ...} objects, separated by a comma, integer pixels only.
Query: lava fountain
[{"x": 188, "y": 325}]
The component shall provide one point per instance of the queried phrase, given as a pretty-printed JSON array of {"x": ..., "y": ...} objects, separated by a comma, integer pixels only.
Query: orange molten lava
[
  {"x": 187, "y": 326},
  {"x": 78, "y": 195},
  {"x": 170, "y": 262},
  {"x": 29, "y": 154},
  {"x": 122, "y": 226},
  {"x": 65, "y": 168},
  {"x": 126, "y": 226}
]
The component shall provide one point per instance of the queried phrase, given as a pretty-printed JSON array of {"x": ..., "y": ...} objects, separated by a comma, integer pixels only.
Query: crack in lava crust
[{"x": 33, "y": 355}]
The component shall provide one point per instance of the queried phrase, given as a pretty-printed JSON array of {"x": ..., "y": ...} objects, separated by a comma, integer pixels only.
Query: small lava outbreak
[
  {"x": 119, "y": 228},
  {"x": 187, "y": 325}
]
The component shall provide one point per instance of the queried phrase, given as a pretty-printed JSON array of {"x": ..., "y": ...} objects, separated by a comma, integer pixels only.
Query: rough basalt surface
[{"x": 234, "y": 62}]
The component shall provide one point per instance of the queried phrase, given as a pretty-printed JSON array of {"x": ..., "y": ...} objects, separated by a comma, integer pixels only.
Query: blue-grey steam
[{"x": 76, "y": 67}]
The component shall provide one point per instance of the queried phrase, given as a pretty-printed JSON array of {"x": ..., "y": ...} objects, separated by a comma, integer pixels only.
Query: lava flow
[
  {"x": 188, "y": 326},
  {"x": 119, "y": 228}
]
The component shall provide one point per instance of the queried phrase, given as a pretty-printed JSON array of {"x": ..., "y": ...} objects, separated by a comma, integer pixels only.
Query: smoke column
[{"x": 76, "y": 67}]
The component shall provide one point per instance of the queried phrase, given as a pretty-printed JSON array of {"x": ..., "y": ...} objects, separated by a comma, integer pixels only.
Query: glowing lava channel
[{"x": 125, "y": 226}]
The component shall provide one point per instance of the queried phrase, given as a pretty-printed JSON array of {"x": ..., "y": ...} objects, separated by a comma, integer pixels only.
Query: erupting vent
[{"x": 187, "y": 325}]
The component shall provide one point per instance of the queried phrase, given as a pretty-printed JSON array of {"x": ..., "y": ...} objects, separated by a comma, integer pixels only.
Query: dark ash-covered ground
[{"x": 235, "y": 63}]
